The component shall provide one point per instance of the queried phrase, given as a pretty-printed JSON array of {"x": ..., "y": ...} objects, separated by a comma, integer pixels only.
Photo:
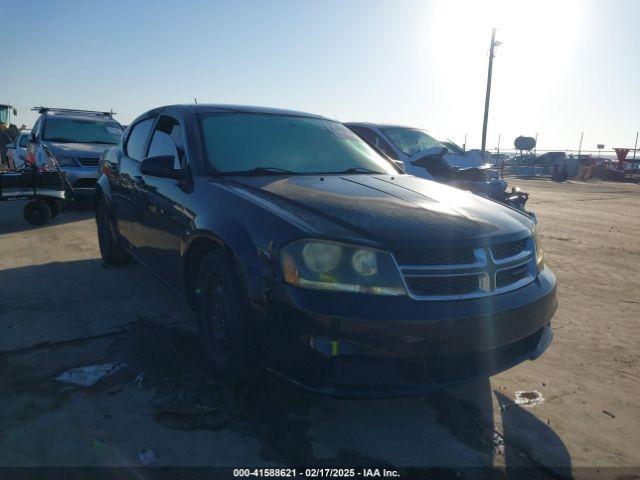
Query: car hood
[
  {"x": 83, "y": 150},
  {"x": 385, "y": 210}
]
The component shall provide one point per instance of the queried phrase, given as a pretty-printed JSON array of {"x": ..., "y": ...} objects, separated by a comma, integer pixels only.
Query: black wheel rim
[{"x": 217, "y": 315}]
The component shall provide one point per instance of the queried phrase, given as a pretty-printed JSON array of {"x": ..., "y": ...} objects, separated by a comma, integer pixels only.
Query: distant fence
[
  {"x": 527, "y": 170},
  {"x": 573, "y": 170}
]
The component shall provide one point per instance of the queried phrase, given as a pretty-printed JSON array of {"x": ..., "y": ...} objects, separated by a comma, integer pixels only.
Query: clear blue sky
[{"x": 564, "y": 66}]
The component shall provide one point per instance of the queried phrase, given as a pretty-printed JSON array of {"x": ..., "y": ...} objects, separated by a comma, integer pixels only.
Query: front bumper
[
  {"x": 360, "y": 345},
  {"x": 81, "y": 179}
]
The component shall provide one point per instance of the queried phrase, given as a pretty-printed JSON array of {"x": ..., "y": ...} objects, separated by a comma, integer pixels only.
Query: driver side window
[{"x": 168, "y": 139}]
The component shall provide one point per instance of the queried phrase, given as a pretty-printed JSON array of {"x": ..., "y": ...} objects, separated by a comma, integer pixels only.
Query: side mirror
[
  {"x": 32, "y": 138},
  {"x": 15, "y": 112},
  {"x": 11, "y": 145},
  {"x": 160, "y": 166}
]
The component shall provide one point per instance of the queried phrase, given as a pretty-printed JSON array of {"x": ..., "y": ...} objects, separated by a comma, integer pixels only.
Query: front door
[{"x": 160, "y": 232}]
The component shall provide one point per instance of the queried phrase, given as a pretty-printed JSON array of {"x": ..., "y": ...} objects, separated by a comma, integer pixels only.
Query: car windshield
[
  {"x": 453, "y": 148},
  {"x": 81, "y": 131},
  {"x": 286, "y": 144},
  {"x": 411, "y": 140}
]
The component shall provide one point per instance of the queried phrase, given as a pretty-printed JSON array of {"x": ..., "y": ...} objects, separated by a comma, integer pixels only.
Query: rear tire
[
  {"x": 224, "y": 318},
  {"x": 111, "y": 250},
  {"x": 37, "y": 213}
]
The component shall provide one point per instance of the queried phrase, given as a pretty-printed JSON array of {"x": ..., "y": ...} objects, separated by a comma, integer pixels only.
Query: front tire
[
  {"x": 111, "y": 251},
  {"x": 224, "y": 318}
]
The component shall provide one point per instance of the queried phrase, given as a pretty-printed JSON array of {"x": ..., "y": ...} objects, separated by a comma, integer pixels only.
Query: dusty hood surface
[{"x": 399, "y": 210}]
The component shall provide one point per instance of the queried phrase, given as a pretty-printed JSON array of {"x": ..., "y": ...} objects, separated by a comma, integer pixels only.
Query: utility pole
[
  {"x": 499, "y": 135},
  {"x": 636, "y": 146},
  {"x": 464, "y": 145},
  {"x": 580, "y": 146},
  {"x": 488, "y": 95},
  {"x": 535, "y": 147}
]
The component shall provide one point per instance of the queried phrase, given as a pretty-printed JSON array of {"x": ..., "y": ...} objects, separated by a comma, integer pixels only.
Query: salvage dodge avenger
[{"x": 305, "y": 252}]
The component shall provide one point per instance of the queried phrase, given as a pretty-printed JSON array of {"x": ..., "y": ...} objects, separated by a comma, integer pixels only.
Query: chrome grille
[
  {"x": 511, "y": 275},
  {"x": 508, "y": 249},
  {"x": 435, "y": 256},
  {"x": 447, "y": 274},
  {"x": 88, "y": 161},
  {"x": 448, "y": 285}
]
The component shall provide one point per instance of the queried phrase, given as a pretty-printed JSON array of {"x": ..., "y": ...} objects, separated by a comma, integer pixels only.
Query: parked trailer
[{"x": 44, "y": 189}]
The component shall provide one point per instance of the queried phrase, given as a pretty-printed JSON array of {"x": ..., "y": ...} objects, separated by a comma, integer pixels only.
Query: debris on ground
[
  {"x": 90, "y": 375},
  {"x": 608, "y": 413},
  {"x": 498, "y": 443},
  {"x": 194, "y": 406},
  {"x": 529, "y": 399},
  {"x": 147, "y": 457}
]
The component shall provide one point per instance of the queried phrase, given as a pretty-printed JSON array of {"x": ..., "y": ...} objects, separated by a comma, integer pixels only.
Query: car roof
[
  {"x": 223, "y": 108},
  {"x": 379, "y": 125}
]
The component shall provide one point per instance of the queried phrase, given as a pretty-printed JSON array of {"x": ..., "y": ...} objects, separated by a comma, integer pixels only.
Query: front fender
[{"x": 253, "y": 260}]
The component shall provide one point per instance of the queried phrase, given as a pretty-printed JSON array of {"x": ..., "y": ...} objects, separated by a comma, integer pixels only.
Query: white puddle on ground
[{"x": 529, "y": 398}]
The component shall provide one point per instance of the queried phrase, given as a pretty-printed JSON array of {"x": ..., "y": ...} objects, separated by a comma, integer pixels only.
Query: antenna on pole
[
  {"x": 580, "y": 146},
  {"x": 494, "y": 44}
]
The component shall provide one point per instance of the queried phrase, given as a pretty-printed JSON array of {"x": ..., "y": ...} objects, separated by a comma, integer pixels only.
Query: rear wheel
[
  {"x": 111, "y": 250},
  {"x": 37, "y": 213},
  {"x": 224, "y": 317}
]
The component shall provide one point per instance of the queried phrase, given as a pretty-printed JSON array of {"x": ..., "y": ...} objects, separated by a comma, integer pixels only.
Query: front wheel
[
  {"x": 112, "y": 251},
  {"x": 224, "y": 317}
]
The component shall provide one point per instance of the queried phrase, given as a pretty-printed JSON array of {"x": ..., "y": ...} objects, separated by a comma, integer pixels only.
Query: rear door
[
  {"x": 163, "y": 220},
  {"x": 126, "y": 195}
]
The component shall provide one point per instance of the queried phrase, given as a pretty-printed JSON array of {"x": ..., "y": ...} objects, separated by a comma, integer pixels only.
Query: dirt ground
[{"x": 61, "y": 308}]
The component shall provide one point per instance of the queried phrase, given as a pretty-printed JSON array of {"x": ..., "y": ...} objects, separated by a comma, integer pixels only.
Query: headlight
[
  {"x": 325, "y": 265},
  {"x": 539, "y": 252},
  {"x": 320, "y": 257},
  {"x": 66, "y": 161}
]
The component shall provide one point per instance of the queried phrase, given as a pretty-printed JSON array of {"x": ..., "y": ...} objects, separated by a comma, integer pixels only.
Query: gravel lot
[{"x": 60, "y": 308}]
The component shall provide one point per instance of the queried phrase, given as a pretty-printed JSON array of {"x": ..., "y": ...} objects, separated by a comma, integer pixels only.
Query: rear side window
[{"x": 138, "y": 139}]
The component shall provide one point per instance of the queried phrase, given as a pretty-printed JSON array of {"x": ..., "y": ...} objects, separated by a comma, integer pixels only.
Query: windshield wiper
[
  {"x": 261, "y": 171},
  {"x": 359, "y": 170},
  {"x": 68, "y": 140}
]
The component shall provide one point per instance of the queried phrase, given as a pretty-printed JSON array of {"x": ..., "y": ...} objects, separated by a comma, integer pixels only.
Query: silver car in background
[
  {"x": 17, "y": 151},
  {"x": 75, "y": 139}
]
